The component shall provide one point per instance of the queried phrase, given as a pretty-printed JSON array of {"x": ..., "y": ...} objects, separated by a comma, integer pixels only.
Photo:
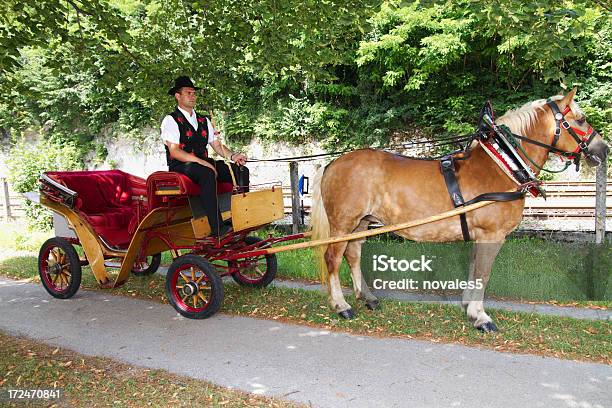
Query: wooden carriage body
[{"x": 118, "y": 215}]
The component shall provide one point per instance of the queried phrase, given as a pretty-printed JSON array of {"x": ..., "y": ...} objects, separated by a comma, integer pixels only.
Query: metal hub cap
[
  {"x": 189, "y": 289},
  {"x": 55, "y": 268}
]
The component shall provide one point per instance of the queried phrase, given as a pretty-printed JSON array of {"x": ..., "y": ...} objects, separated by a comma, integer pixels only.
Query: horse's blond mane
[{"x": 521, "y": 119}]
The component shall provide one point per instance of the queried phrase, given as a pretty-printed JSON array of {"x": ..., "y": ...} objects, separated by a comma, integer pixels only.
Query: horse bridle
[
  {"x": 561, "y": 122},
  {"x": 583, "y": 139}
]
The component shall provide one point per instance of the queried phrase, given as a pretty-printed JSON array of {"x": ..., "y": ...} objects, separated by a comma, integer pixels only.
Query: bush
[{"x": 27, "y": 161}]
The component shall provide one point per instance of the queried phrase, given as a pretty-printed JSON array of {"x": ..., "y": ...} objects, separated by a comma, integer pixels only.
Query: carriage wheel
[
  {"x": 148, "y": 266},
  {"x": 193, "y": 287},
  {"x": 254, "y": 272},
  {"x": 59, "y": 268}
]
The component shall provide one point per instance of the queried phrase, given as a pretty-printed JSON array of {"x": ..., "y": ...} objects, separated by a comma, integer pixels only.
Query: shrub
[{"x": 27, "y": 161}]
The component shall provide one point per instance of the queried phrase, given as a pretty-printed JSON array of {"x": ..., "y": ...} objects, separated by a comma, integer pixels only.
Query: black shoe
[{"x": 223, "y": 230}]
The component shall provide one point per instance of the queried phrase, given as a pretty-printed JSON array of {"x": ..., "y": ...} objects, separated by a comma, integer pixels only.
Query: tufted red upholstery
[
  {"x": 104, "y": 198},
  {"x": 105, "y": 201}
]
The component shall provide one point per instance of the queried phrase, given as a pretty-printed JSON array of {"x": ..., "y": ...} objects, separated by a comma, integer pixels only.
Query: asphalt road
[{"x": 308, "y": 365}]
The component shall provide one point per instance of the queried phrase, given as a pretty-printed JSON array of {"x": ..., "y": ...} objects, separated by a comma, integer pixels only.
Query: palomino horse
[{"x": 370, "y": 185}]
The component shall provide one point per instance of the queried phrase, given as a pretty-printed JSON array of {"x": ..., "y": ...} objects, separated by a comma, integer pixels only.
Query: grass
[
  {"x": 16, "y": 236},
  {"x": 519, "y": 332},
  {"x": 526, "y": 269},
  {"x": 95, "y": 381}
]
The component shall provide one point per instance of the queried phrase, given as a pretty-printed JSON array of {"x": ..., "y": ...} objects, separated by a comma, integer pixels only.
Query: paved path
[{"x": 312, "y": 366}]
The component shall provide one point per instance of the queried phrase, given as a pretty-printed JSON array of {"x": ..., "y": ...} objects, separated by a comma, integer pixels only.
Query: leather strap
[
  {"x": 447, "y": 166},
  {"x": 503, "y": 196}
]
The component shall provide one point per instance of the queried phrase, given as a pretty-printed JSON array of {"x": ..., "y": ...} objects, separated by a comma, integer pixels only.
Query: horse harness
[
  {"x": 501, "y": 145},
  {"x": 447, "y": 166}
]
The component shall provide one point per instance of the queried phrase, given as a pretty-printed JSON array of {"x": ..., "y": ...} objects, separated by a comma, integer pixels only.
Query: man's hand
[
  {"x": 240, "y": 159},
  {"x": 176, "y": 152}
]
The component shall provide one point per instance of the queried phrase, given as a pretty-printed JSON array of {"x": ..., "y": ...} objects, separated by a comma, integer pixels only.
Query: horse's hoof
[
  {"x": 372, "y": 304},
  {"x": 488, "y": 327},
  {"x": 347, "y": 314}
]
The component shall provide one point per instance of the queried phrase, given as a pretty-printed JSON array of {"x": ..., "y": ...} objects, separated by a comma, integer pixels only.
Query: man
[{"x": 186, "y": 134}]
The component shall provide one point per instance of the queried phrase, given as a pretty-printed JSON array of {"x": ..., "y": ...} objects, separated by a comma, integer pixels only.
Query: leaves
[{"x": 349, "y": 73}]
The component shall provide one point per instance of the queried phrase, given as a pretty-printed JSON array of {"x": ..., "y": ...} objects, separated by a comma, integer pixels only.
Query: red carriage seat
[
  {"x": 164, "y": 184},
  {"x": 105, "y": 200}
]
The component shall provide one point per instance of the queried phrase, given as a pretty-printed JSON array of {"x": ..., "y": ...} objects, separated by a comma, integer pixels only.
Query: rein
[{"x": 570, "y": 156}]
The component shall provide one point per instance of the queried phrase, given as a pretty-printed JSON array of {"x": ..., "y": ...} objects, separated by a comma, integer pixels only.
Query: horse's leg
[
  {"x": 353, "y": 258},
  {"x": 483, "y": 256},
  {"x": 333, "y": 259}
]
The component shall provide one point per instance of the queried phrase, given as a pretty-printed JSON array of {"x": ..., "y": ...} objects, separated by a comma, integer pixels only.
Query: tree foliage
[
  {"x": 348, "y": 72},
  {"x": 449, "y": 57},
  {"x": 26, "y": 163}
]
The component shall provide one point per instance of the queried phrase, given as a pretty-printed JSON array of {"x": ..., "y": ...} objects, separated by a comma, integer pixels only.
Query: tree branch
[
  {"x": 603, "y": 5},
  {"x": 112, "y": 30}
]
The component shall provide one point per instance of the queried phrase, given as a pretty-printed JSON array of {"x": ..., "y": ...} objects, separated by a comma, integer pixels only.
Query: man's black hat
[{"x": 182, "y": 82}]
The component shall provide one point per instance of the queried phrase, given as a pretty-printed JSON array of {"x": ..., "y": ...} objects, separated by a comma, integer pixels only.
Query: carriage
[
  {"x": 125, "y": 222},
  {"x": 115, "y": 216}
]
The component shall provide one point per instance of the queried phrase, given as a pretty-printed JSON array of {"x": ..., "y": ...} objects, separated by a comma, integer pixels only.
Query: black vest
[{"x": 191, "y": 140}]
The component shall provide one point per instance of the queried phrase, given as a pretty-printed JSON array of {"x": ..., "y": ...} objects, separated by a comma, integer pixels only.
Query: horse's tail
[{"x": 319, "y": 223}]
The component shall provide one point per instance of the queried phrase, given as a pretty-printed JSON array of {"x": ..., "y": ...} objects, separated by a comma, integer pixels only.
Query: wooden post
[
  {"x": 600, "y": 202},
  {"x": 7, "y": 201},
  {"x": 295, "y": 196}
]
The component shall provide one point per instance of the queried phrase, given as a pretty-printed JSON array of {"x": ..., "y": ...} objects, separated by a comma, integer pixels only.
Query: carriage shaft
[{"x": 364, "y": 234}]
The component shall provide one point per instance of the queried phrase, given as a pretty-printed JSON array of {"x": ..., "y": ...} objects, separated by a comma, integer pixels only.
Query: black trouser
[{"x": 205, "y": 178}]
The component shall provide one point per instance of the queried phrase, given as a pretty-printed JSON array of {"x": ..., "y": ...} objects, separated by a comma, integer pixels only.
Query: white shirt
[{"x": 170, "y": 130}]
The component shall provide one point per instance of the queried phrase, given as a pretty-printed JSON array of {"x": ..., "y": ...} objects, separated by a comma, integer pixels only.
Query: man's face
[{"x": 186, "y": 98}]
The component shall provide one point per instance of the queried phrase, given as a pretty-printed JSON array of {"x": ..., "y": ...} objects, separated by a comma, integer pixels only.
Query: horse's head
[{"x": 572, "y": 133}]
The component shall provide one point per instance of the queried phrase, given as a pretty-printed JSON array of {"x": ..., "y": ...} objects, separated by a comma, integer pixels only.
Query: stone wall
[{"x": 145, "y": 157}]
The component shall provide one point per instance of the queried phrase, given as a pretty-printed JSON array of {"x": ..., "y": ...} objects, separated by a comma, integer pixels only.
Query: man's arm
[
  {"x": 221, "y": 149},
  {"x": 179, "y": 154},
  {"x": 225, "y": 152}
]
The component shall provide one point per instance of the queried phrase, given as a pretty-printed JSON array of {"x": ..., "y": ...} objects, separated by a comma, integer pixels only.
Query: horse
[{"x": 368, "y": 185}]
